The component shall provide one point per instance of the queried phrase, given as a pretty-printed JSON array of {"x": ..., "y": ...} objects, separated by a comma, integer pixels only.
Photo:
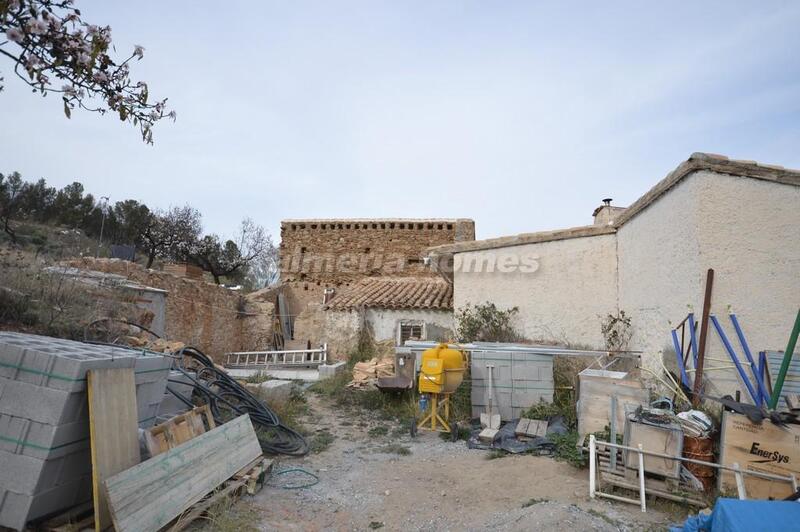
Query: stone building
[
  {"x": 210, "y": 317},
  {"x": 740, "y": 218},
  {"x": 338, "y": 276}
]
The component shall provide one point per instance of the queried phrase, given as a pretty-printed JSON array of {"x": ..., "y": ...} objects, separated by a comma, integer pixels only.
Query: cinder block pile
[
  {"x": 171, "y": 405},
  {"x": 45, "y": 463}
]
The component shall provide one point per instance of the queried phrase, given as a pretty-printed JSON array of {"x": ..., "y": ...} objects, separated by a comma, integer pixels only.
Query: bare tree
[
  {"x": 11, "y": 193},
  {"x": 232, "y": 259},
  {"x": 171, "y": 233},
  {"x": 54, "y": 51}
]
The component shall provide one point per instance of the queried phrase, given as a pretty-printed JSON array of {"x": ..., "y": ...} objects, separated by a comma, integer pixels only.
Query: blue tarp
[{"x": 733, "y": 515}]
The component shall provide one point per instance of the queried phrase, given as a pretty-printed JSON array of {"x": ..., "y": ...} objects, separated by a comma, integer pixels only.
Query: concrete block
[
  {"x": 45, "y": 405},
  {"x": 29, "y": 476},
  {"x": 273, "y": 390},
  {"x": 326, "y": 371},
  {"x": 17, "y": 509},
  {"x": 40, "y": 440},
  {"x": 170, "y": 406},
  {"x": 49, "y": 363}
]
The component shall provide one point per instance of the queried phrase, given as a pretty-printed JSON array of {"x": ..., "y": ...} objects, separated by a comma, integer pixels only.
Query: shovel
[{"x": 490, "y": 419}]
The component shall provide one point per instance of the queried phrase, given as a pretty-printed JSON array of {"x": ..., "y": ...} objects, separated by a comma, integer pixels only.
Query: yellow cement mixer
[{"x": 441, "y": 372}]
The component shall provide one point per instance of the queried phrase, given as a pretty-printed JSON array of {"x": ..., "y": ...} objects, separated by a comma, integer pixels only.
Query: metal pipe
[
  {"x": 701, "y": 348},
  {"x": 679, "y": 356},
  {"x": 592, "y": 466},
  {"x": 787, "y": 478},
  {"x": 735, "y": 359},
  {"x": 787, "y": 358},
  {"x": 693, "y": 337},
  {"x": 641, "y": 479},
  {"x": 762, "y": 390}
]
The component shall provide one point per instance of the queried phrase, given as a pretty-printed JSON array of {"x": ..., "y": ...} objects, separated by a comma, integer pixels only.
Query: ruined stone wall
[
  {"x": 340, "y": 251},
  {"x": 207, "y": 316}
]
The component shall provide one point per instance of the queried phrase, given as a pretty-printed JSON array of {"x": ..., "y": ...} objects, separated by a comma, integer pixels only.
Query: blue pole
[
  {"x": 693, "y": 338},
  {"x": 732, "y": 354},
  {"x": 679, "y": 354},
  {"x": 762, "y": 390}
]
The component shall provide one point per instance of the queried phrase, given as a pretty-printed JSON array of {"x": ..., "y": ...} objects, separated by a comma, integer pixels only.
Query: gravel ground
[{"x": 364, "y": 484}]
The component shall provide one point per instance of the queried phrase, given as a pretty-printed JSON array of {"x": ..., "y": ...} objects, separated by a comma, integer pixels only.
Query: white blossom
[
  {"x": 100, "y": 77},
  {"x": 84, "y": 58},
  {"x": 15, "y": 35},
  {"x": 37, "y": 26},
  {"x": 173, "y": 115},
  {"x": 138, "y": 51},
  {"x": 69, "y": 90}
]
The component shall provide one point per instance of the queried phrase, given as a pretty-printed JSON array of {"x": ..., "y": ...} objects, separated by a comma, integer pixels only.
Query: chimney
[{"x": 606, "y": 214}]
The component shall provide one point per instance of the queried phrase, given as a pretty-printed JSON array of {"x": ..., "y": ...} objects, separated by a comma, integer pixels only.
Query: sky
[{"x": 519, "y": 115}]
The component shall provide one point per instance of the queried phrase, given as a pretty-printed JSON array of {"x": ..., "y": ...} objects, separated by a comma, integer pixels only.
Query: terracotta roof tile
[{"x": 395, "y": 293}]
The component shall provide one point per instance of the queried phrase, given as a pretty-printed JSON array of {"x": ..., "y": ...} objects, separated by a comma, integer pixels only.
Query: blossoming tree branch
[{"x": 54, "y": 51}]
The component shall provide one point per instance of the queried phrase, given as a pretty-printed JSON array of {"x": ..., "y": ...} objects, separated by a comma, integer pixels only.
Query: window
[{"x": 411, "y": 330}]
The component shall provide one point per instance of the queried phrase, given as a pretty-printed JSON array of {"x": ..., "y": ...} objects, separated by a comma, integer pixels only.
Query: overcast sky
[{"x": 520, "y": 115}]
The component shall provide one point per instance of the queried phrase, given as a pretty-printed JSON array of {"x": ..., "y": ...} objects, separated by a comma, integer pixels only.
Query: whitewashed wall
[
  {"x": 574, "y": 283},
  {"x": 748, "y": 230},
  {"x": 385, "y": 322}
]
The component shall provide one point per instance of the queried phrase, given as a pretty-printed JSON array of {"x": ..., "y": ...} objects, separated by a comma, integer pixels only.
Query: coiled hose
[{"x": 226, "y": 397}]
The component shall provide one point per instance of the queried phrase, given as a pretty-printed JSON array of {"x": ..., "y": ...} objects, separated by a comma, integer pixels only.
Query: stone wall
[
  {"x": 341, "y": 251},
  {"x": 207, "y": 316}
]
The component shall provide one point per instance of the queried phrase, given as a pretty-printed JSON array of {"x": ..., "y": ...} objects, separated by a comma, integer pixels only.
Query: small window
[{"x": 411, "y": 331}]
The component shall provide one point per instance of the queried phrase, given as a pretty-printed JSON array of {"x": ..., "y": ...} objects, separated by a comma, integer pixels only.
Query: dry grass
[{"x": 227, "y": 516}]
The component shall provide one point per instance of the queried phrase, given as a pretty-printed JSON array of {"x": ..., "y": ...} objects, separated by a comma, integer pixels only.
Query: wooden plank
[
  {"x": 151, "y": 494},
  {"x": 594, "y": 392},
  {"x": 113, "y": 432},
  {"x": 767, "y": 448}
]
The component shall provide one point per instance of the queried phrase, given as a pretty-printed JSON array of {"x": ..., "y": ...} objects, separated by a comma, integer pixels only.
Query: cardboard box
[{"x": 767, "y": 448}]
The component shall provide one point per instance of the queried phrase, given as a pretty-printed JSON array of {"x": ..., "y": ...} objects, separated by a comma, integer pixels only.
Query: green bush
[{"x": 486, "y": 323}]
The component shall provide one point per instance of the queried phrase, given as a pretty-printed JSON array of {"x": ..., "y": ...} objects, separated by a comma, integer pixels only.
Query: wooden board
[
  {"x": 178, "y": 430},
  {"x": 665, "y": 440},
  {"x": 531, "y": 427},
  {"x": 766, "y": 447},
  {"x": 151, "y": 494},
  {"x": 594, "y": 403},
  {"x": 113, "y": 432}
]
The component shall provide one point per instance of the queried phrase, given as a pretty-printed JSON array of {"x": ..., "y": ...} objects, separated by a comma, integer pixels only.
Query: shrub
[{"x": 486, "y": 323}]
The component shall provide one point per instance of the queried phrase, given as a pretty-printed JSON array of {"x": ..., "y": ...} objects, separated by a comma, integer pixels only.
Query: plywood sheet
[
  {"x": 594, "y": 402},
  {"x": 664, "y": 440},
  {"x": 151, "y": 494},
  {"x": 767, "y": 448},
  {"x": 113, "y": 426}
]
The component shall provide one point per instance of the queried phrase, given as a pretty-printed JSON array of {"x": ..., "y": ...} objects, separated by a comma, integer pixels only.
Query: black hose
[{"x": 219, "y": 389}]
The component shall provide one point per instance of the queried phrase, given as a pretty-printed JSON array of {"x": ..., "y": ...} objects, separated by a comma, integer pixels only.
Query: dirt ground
[{"x": 365, "y": 484}]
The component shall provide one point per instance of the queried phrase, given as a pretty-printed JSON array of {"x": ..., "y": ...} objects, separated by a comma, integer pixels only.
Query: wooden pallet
[
  {"x": 79, "y": 517},
  {"x": 248, "y": 481},
  {"x": 178, "y": 429}
]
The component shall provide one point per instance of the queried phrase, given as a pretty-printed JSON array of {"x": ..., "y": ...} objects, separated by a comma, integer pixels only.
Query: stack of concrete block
[
  {"x": 171, "y": 405},
  {"x": 520, "y": 379},
  {"x": 45, "y": 463}
]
